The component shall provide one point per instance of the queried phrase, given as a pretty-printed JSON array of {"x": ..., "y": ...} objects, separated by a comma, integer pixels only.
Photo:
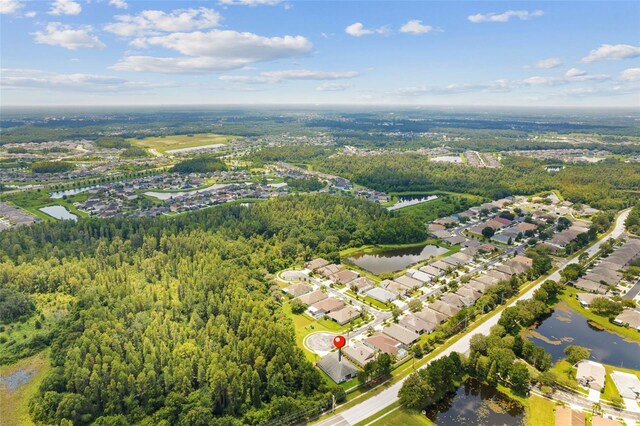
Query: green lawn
[
  {"x": 53, "y": 306},
  {"x": 610, "y": 390},
  {"x": 566, "y": 375},
  {"x": 539, "y": 411},
  {"x": 304, "y": 325},
  {"x": 166, "y": 143},
  {"x": 569, "y": 296},
  {"x": 432, "y": 210},
  {"x": 14, "y": 406},
  {"x": 31, "y": 201}
]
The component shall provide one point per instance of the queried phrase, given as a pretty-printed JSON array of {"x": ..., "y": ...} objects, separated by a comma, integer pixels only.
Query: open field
[
  {"x": 163, "y": 144},
  {"x": 14, "y": 403}
]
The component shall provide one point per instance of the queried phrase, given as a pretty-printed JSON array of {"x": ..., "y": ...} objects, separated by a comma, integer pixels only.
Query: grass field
[
  {"x": 163, "y": 144},
  {"x": 539, "y": 411},
  {"x": 14, "y": 405},
  {"x": 442, "y": 206},
  {"x": 33, "y": 200},
  {"x": 304, "y": 326},
  {"x": 397, "y": 415}
]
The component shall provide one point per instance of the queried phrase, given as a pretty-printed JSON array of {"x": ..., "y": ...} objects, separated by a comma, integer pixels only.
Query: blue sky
[{"x": 127, "y": 52}]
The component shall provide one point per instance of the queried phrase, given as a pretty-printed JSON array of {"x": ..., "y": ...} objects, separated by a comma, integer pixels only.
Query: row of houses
[{"x": 608, "y": 270}]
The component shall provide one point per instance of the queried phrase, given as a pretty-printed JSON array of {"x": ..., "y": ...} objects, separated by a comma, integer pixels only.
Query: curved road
[{"x": 379, "y": 402}]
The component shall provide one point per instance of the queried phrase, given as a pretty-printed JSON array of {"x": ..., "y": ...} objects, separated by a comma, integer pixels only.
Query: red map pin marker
[{"x": 339, "y": 341}]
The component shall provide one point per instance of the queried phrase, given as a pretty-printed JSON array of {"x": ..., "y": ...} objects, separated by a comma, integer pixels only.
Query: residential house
[
  {"x": 383, "y": 343},
  {"x": 331, "y": 269},
  {"x": 601, "y": 421},
  {"x": 344, "y": 315},
  {"x": 417, "y": 324},
  {"x": 381, "y": 295},
  {"x": 444, "y": 308},
  {"x": 630, "y": 318},
  {"x": 344, "y": 277},
  {"x": 313, "y": 297},
  {"x": 408, "y": 282},
  {"x": 361, "y": 284},
  {"x": 591, "y": 374},
  {"x": 339, "y": 370},
  {"x": 401, "y": 334},
  {"x": 325, "y": 306},
  {"x": 296, "y": 290},
  {"x": 359, "y": 353},
  {"x": 394, "y": 287},
  {"x": 591, "y": 286},
  {"x": 565, "y": 416},
  {"x": 316, "y": 264},
  {"x": 434, "y": 272},
  {"x": 585, "y": 299},
  {"x": 423, "y": 277},
  {"x": 429, "y": 315}
]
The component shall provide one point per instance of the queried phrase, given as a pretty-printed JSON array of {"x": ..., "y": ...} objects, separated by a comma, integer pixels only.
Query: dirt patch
[{"x": 542, "y": 337}]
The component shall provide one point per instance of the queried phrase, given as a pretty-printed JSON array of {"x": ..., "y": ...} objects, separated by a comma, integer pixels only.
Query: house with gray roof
[
  {"x": 431, "y": 316},
  {"x": 339, "y": 371},
  {"x": 344, "y": 315},
  {"x": 630, "y": 318},
  {"x": 416, "y": 324},
  {"x": 359, "y": 353},
  {"x": 381, "y": 295},
  {"x": 296, "y": 290},
  {"x": 401, "y": 334},
  {"x": 591, "y": 374}
]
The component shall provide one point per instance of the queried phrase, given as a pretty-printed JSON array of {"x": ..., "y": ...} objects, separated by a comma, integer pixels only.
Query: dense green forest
[
  {"x": 607, "y": 185},
  {"x": 51, "y": 167},
  {"x": 633, "y": 221},
  {"x": 175, "y": 322},
  {"x": 200, "y": 164}
]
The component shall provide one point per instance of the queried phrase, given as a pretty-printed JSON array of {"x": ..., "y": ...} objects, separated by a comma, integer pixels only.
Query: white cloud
[
  {"x": 154, "y": 22},
  {"x": 66, "y": 36},
  {"x": 214, "y": 50},
  {"x": 65, "y": 7},
  {"x": 31, "y": 14},
  {"x": 120, "y": 4},
  {"x": 611, "y": 52},
  {"x": 332, "y": 87},
  {"x": 631, "y": 74},
  {"x": 7, "y": 7},
  {"x": 452, "y": 89},
  {"x": 358, "y": 30},
  {"x": 415, "y": 26},
  {"x": 37, "y": 79},
  {"x": 282, "y": 75},
  {"x": 249, "y": 2},
  {"x": 573, "y": 75},
  {"x": 546, "y": 63},
  {"x": 523, "y": 15}
]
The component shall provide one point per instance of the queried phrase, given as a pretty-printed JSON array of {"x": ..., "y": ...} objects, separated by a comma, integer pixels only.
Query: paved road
[{"x": 372, "y": 405}]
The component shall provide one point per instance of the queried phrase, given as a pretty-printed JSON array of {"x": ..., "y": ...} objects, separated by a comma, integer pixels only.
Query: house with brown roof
[
  {"x": 565, "y": 416},
  {"x": 344, "y": 315},
  {"x": 417, "y": 324},
  {"x": 361, "y": 284},
  {"x": 313, "y": 297},
  {"x": 327, "y": 271},
  {"x": 408, "y": 282},
  {"x": 296, "y": 290},
  {"x": 394, "y": 287},
  {"x": 444, "y": 308},
  {"x": 454, "y": 300},
  {"x": 431, "y": 316},
  {"x": 344, "y": 276},
  {"x": 359, "y": 353},
  {"x": 383, "y": 343},
  {"x": 434, "y": 272},
  {"x": 524, "y": 227},
  {"x": 326, "y": 306},
  {"x": 316, "y": 264},
  {"x": 401, "y": 334},
  {"x": 601, "y": 421}
]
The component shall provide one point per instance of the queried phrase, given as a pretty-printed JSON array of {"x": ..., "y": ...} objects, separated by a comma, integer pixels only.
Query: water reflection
[
  {"x": 395, "y": 260},
  {"x": 474, "y": 404}
]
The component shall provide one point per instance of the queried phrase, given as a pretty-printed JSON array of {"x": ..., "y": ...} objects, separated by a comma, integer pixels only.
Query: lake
[
  {"x": 395, "y": 260},
  {"x": 59, "y": 212},
  {"x": 474, "y": 404},
  {"x": 169, "y": 195},
  {"x": 567, "y": 327},
  {"x": 411, "y": 200},
  {"x": 60, "y": 194}
]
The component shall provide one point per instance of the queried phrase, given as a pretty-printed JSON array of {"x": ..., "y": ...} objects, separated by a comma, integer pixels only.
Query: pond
[
  {"x": 567, "y": 327},
  {"x": 474, "y": 404},
  {"x": 60, "y": 194},
  {"x": 411, "y": 200},
  {"x": 396, "y": 259},
  {"x": 59, "y": 212},
  {"x": 169, "y": 195}
]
